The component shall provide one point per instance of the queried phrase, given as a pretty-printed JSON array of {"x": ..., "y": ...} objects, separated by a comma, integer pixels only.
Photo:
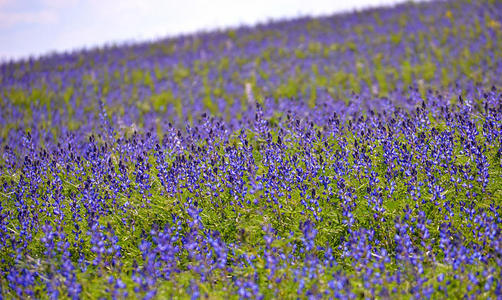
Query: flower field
[{"x": 350, "y": 156}]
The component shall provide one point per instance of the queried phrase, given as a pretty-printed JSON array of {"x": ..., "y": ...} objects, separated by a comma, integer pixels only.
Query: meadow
[{"x": 357, "y": 155}]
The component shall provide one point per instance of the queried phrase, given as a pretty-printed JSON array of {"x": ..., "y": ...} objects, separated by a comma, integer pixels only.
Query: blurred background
[{"x": 38, "y": 27}]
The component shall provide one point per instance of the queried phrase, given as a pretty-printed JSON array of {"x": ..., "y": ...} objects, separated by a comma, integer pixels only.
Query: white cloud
[
  {"x": 9, "y": 19},
  {"x": 4, "y": 3},
  {"x": 57, "y": 3},
  {"x": 104, "y": 8}
]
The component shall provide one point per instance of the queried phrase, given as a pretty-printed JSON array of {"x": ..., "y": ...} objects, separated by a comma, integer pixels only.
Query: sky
[{"x": 38, "y": 27}]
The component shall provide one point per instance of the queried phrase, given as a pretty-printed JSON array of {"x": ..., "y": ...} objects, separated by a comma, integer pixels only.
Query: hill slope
[{"x": 351, "y": 156}]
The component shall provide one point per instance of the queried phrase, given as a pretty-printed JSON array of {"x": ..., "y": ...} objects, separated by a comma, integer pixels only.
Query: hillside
[{"x": 357, "y": 155}]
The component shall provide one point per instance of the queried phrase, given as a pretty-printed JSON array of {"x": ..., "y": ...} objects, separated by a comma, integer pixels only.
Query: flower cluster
[{"x": 352, "y": 156}]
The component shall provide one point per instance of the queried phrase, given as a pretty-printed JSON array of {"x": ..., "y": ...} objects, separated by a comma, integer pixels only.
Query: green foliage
[
  {"x": 407, "y": 73},
  {"x": 180, "y": 73}
]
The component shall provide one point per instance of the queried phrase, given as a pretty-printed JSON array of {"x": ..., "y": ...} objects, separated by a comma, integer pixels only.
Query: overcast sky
[{"x": 36, "y": 27}]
